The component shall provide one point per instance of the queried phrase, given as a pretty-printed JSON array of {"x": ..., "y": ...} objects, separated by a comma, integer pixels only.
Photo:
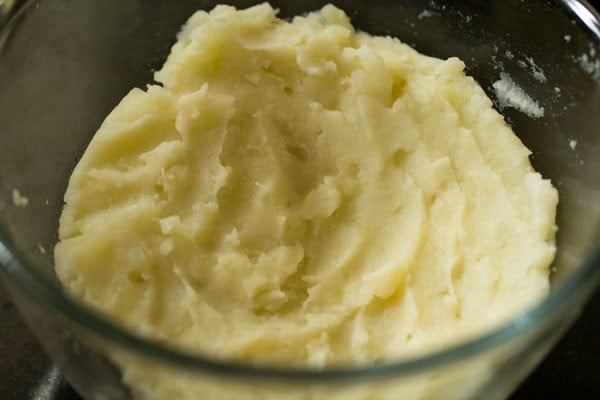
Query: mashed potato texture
[{"x": 300, "y": 193}]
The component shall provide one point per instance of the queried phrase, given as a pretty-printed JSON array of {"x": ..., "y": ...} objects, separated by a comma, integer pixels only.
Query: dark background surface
[{"x": 570, "y": 371}]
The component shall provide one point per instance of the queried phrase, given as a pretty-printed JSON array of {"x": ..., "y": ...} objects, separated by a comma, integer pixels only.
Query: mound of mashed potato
[{"x": 300, "y": 193}]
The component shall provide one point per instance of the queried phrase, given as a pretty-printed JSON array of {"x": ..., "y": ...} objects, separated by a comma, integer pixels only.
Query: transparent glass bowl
[{"x": 66, "y": 64}]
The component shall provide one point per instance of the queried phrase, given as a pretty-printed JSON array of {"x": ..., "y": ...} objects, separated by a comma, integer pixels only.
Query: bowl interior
[{"x": 69, "y": 63}]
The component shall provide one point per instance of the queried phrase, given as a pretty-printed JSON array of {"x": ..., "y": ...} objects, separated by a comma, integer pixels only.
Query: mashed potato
[{"x": 299, "y": 193}]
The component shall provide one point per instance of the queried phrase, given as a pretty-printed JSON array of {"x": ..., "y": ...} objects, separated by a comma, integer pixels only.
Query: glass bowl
[{"x": 66, "y": 64}]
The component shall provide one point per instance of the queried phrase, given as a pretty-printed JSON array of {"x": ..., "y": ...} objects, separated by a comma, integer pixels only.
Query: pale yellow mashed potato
[{"x": 300, "y": 193}]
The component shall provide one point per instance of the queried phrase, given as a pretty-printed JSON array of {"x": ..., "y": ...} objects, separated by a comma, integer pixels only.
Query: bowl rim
[{"x": 567, "y": 295}]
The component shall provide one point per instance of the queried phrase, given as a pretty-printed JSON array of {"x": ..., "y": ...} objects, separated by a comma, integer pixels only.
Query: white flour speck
[
  {"x": 425, "y": 14},
  {"x": 18, "y": 199},
  {"x": 567, "y": 38},
  {"x": 537, "y": 73},
  {"x": 590, "y": 66},
  {"x": 509, "y": 94},
  {"x": 41, "y": 248},
  {"x": 572, "y": 144}
]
